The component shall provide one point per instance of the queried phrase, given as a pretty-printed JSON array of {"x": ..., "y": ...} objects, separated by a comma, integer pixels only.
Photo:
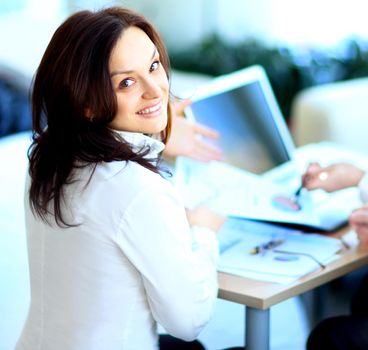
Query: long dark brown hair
[{"x": 73, "y": 77}]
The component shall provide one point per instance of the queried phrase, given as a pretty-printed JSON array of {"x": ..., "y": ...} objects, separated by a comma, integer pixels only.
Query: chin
[{"x": 159, "y": 126}]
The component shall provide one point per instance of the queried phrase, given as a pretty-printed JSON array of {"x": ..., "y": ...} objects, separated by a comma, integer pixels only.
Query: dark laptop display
[{"x": 254, "y": 136}]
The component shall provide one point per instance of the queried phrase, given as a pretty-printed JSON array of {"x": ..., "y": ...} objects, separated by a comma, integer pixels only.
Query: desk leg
[
  {"x": 313, "y": 302},
  {"x": 257, "y": 330}
]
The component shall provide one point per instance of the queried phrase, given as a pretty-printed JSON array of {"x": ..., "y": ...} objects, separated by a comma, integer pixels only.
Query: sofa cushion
[
  {"x": 15, "y": 111},
  {"x": 335, "y": 112}
]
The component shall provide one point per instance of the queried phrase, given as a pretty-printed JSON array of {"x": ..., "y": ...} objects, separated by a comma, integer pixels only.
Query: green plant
[{"x": 289, "y": 70}]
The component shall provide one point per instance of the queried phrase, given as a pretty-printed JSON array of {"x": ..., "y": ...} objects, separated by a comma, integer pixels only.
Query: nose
[{"x": 151, "y": 89}]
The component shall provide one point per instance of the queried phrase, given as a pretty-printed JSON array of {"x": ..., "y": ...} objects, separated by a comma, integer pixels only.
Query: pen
[
  {"x": 266, "y": 246},
  {"x": 295, "y": 197},
  {"x": 297, "y": 192}
]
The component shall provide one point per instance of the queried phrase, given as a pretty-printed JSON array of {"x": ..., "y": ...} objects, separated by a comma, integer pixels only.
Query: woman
[{"x": 111, "y": 252}]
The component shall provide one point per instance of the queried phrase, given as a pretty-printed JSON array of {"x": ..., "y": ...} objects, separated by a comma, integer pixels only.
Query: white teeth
[{"x": 150, "y": 109}]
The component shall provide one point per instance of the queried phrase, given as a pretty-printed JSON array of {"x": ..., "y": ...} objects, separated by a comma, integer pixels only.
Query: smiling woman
[
  {"x": 111, "y": 249},
  {"x": 140, "y": 82}
]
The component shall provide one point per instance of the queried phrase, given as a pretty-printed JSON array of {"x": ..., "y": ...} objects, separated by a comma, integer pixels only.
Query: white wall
[
  {"x": 180, "y": 22},
  {"x": 24, "y": 36},
  {"x": 294, "y": 22},
  {"x": 183, "y": 23},
  {"x": 290, "y": 22},
  {"x": 323, "y": 22}
]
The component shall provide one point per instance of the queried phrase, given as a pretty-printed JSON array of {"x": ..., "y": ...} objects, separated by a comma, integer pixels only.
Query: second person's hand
[
  {"x": 333, "y": 177},
  {"x": 188, "y": 138},
  {"x": 358, "y": 221}
]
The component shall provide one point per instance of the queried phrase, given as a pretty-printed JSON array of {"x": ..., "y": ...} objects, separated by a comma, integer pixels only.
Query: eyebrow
[{"x": 117, "y": 72}]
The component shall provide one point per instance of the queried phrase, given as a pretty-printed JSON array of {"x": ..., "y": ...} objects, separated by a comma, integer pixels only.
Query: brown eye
[
  {"x": 126, "y": 83},
  {"x": 154, "y": 66}
]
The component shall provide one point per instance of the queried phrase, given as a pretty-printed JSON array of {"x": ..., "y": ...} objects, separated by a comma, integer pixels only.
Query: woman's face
[{"x": 140, "y": 84}]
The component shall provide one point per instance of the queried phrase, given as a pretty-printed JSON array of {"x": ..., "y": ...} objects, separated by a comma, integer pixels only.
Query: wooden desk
[{"x": 259, "y": 296}]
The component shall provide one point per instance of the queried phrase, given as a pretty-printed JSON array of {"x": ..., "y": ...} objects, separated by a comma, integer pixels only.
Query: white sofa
[{"x": 336, "y": 112}]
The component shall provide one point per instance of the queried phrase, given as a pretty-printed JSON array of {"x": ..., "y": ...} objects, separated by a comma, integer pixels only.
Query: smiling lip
[{"x": 151, "y": 111}]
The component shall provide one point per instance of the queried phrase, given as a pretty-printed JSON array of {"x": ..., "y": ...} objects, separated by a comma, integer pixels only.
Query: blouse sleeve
[
  {"x": 363, "y": 188},
  {"x": 178, "y": 265}
]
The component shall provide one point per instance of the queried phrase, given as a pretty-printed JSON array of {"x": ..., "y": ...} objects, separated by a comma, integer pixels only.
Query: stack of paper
[
  {"x": 238, "y": 193},
  {"x": 299, "y": 254}
]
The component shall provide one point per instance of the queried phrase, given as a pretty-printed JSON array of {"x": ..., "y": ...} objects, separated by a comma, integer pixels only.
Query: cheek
[
  {"x": 124, "y": 106},
  {"x": 164, "y": 82}
]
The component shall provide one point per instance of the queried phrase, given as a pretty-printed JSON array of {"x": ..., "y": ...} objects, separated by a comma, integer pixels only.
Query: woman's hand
[
  {"x": 332, "y": 178},
  {"x": 358, "y": 221},
  {"x": 202, "y": 216},
  {"x": 187, "y": 138}
]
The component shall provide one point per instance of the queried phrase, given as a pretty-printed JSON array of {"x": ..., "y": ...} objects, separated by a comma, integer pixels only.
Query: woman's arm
[{"x": 178, "y": 267}]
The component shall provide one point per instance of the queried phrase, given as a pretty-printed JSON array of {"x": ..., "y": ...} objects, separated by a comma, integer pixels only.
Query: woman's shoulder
[
  {"x": 111, "y": 188},
  {"x": 131, "y": 178},
  {"x": 126, "y": 171}
]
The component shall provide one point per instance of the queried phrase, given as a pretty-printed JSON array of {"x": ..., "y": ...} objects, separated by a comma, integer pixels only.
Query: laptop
[{"x": 259, "y": 149}]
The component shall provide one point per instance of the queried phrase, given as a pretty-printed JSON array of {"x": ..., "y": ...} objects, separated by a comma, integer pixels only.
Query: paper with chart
[
  {"x": 297, "y": 255},
  {"x": 234, "y": 192}
]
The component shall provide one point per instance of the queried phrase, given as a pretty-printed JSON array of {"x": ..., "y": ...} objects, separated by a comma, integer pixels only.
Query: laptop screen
[{"x": 242, "y": 107}]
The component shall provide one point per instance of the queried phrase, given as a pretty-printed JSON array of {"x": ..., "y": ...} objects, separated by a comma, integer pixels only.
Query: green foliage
[{"x": 289, "y": 70}]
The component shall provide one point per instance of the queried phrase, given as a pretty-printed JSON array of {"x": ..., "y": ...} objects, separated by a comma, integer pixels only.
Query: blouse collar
[{"x": 139, "y": 142}]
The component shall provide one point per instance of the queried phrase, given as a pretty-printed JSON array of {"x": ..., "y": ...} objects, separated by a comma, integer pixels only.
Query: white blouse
[{"x": 131, "y": 263}]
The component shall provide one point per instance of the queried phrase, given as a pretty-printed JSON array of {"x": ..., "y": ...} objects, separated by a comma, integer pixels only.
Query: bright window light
[{"x": 319, "y": 22}]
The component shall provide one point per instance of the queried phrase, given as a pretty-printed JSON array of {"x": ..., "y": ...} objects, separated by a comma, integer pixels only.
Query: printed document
[{"x": 299, "y": 254}]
